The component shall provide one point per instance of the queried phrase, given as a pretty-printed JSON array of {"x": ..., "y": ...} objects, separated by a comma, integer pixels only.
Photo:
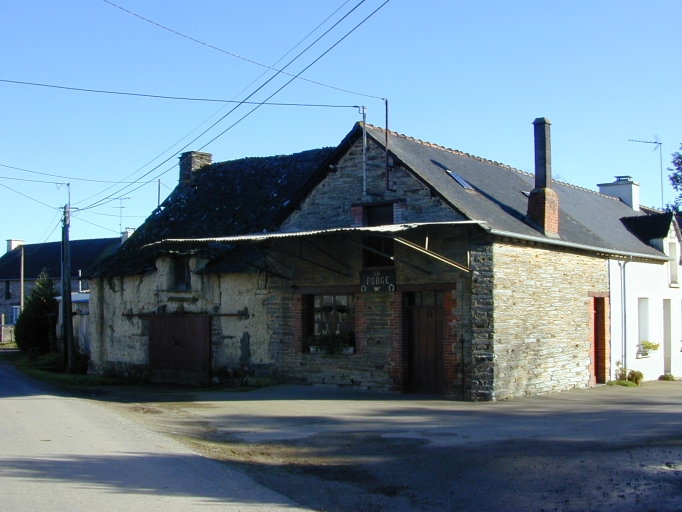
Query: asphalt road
[
  {"x": 63, "y": 453},
  {"x": 347, "y": 450}
]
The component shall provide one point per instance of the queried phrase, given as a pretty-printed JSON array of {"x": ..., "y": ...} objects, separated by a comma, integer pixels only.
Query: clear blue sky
[{"x": 466, "y": 75}]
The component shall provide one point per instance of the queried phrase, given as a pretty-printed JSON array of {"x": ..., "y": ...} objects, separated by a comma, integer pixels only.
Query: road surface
[{"x": 63, "y": 453}]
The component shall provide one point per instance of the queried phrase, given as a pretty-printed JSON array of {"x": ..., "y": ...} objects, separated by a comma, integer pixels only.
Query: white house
[{"x": 645, "y": 297}]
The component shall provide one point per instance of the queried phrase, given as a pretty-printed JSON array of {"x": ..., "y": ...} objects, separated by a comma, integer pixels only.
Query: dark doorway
[
  {"x": 599, "y": 344},
  {"x": 179, "y": 348},
  {"x": 425, "y": 342}
]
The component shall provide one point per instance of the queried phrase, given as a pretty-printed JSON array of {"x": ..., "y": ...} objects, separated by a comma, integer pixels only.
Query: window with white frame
[
  {"x": 642, "y": 321},
  {"x": 673, "y": 264}
]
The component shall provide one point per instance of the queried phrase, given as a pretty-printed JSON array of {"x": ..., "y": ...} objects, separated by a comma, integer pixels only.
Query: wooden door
[
  {"x": 179, "y": 348},
  {"x": 599, "y": 344},
  {"x": 425, "y": 341}
]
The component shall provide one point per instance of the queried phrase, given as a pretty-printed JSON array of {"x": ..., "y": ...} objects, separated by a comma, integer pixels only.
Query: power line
[
  {"x": 238, "y": 56},
  {"x": 28, "y": 197},
  {"x": 93, "y": 224},
  {"x": 181, "y": 98},
  {"x": 96, "y": 203},
  {"x": 235, "y": 96},
  {"x": 58, "y": 176},
  {"x": 31, "y": 181},
  {"x": 294, "y": 78}
]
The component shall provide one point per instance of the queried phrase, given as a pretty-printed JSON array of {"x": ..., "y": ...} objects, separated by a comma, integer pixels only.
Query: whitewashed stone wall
[
  {"x": 542, "y": 318},
  {"x": 119, "y": 308}
]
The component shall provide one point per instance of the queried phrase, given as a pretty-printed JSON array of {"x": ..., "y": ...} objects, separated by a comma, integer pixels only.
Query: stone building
[
  {"x": 45, "y": 256},
  {"x": 395, "y": 264}
]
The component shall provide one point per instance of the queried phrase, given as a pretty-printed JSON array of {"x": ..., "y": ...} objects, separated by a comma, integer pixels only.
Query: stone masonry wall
[
  {"x": 542, "y": 318},
  {"x": 119, "y": 309},
  {"x": 329, "y": 205}
]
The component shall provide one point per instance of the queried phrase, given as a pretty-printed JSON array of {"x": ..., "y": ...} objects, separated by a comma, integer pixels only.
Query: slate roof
[
  {"x": 498, "y": 196},
  {"x": 49, "y": 255},
  {"x": 253, "y": 195},
  {"x": 242, "y": 196}
]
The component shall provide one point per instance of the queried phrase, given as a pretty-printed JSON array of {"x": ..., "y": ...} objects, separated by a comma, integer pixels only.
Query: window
[
  {"x": 672, "y": 253},
  {"x": 378, "y": 215},
  {"x": 16, "y": 311},
  {"x": 8, "y": 291},
  {"x": 643, "y": 319},
  {"x": 181, "y": 274},
  {"x": 332, "y": 314}
]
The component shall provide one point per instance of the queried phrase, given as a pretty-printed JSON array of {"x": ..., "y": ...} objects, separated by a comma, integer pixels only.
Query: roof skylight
[{"x": 459, "y": 180}]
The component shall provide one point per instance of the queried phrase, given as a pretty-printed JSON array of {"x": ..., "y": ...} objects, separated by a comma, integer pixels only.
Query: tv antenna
[
  {"x": 120, "y": 212},
  {"x": 659, "y": 146}
]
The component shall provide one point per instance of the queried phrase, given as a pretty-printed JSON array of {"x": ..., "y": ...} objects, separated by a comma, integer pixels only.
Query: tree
[
  {"x": 676, "y": 181},
  {"x": 33, "y": 326}
]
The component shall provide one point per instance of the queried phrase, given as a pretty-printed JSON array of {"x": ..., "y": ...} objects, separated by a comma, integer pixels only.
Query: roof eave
[{"x": 573, "y": 245}]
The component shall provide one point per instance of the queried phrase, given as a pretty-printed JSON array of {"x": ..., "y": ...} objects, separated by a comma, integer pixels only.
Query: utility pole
[
  {"x": 21, "y": 279},
  {"x": 67, "y": 317}
]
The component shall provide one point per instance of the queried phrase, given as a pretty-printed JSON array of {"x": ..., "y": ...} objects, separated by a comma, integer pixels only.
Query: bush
[
  {"x": 635, "y": 376},
  {"x": 667, "y": 376},
  {"x": 625, "y": 383},
  {"x": 34, "y": 327}
]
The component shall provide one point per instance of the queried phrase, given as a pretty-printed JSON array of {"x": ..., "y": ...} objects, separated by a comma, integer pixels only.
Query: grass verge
[{"x": 49, "y": 368}]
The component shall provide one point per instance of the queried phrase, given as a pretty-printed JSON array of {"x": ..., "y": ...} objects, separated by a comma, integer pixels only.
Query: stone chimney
[
  {"x": 13, "y": 244},
  {"x": 623, "y": 188},
  {"x": 543, "y": 202},
  {"x": 192, "y": 161}
]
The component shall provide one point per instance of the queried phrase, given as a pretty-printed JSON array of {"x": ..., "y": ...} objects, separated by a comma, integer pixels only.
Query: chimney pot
[{"x": 192, "y": 161}]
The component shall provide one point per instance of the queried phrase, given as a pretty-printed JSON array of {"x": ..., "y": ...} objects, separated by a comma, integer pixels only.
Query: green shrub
[
  {"x": 34, "y": 326},
  {"x": 635, "y": 376},
  {"x": 667, "y": 376},
  {"x": 626, "y": 383}
]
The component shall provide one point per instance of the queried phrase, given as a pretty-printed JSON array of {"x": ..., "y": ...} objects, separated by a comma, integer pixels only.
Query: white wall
[{"x": 650, "y": 281}]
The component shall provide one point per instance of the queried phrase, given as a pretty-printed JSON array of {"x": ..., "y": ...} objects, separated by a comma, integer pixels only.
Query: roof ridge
[{"x": 485, "y": 160}]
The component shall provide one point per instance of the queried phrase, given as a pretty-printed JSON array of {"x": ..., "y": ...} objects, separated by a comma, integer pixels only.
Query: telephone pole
[{"x": 67, "y": 317}]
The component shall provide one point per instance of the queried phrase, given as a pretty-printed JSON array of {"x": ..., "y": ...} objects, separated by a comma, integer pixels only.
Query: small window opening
[
  {"x": 378, "y": 215},
  {"x": 181, "y": 273}
]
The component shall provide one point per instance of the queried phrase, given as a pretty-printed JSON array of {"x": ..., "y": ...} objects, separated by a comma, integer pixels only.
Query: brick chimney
[
  {"x": 543, "y": 202},
  {"x": 192, "y": 161}
]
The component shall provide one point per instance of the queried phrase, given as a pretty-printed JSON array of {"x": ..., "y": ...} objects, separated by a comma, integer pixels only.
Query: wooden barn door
[
  {"x": 179, "y": 348},
  {"x": 425, "y": 343}
]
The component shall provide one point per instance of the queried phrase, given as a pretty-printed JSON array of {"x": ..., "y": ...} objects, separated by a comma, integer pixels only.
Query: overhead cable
[
  {"x": 180, "y": 98},
  {"x": 234, "y": 54},
  {"x": 97, "y": 203}
]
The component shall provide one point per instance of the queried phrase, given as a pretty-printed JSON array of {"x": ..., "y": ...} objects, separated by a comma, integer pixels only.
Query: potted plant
[{"x": 645, "y": 347}]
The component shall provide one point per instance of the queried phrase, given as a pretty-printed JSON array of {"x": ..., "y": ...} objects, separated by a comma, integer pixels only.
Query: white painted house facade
[{"x": 646, "y": 300}]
